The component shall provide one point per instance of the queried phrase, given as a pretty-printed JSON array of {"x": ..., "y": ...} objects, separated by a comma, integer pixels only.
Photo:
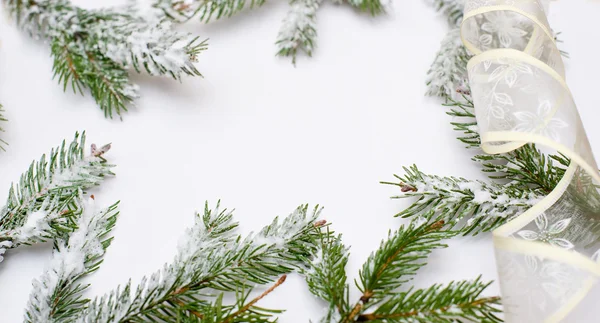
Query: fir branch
[
  {"x": 463, "y": 113},
  {"x": 472, "y": 206},
  {"x": 439, "y": 304},
  {"x": 396, "y": 261},
  {"x": 298, "y": 29},
  {"x": 108, "y": 82},
  {"x": 452, "y": 9},
  {"x": 93, "y": 49},
  {"x": 43, "y": 204},
  {"x": 374, "y": 7},
  {"x": 244, "y": 310},
  {"x": 390, "y": 267},
  {"x": 448, "y": 72},
  {"x": 57, "y": 294},
  {"x": 526, "y": 166},
  {"x": 326, "y": 277},
  {"x": 213, "y": 257},
  {"x": 205, "y": 10},
  {"x": 2, "y": 119}
]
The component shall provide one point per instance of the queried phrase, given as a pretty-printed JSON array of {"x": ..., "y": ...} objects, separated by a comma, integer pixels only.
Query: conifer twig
[
  {"x": 452, "y": 9},
  {"x": 448, "y": 72},
  {"x": 57, "y": 295},
  {"x": 390, "y": 267},
  {"x": 93, "y": 49},
  {"x": 472, "y": 206},
  {"x": 213, "y": 257},
  {"x": 43, "y": 204},
  {"x": 2, "y": 119},
  {"x": 250, "y": 304},
  {"x": 298, "y": 30}
]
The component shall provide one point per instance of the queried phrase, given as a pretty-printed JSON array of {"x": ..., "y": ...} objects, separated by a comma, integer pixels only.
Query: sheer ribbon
[{"x": 548, "y": 256}]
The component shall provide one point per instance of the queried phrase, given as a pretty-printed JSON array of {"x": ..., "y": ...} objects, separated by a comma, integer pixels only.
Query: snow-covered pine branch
[
  {"x": 472, "y": 206},
  {"x": 389, "y": 268},
  {"x": 57, "y": 295},
  {"x": 452, "y": 9},
  {"x": 205, "y": 10},
  {"x": 93, "y": 49},
  {"x": 298, "y": 30},
  {"x": 2, "y": 119},
  {"x": 211, "y": 256},
  {"x": 326, "y": 276},
  {"x": 447, "y": 76},
  {"x": 43, "y": 204}
]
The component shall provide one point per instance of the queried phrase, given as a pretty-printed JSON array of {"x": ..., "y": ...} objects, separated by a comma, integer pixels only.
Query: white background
[{"x": 264, "y": 137}]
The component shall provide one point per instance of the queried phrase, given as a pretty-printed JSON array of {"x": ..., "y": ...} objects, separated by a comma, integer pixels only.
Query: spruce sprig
[
  {"x": 2, "y": 119},
  {"x": 43, "y": 204},
  {"x": 520, "y": 178},
  {"x": 57, "y": 296},
  {"x": 470, "y": 206},
  {"x": 213, "y": 258},
  {"x": 390, "y": 268},
  {"x": 526, "y": 166},
  {"x": 297, "y": 32},
  {"x": 448, "y": 72},
  {"x": 452, "y": 9},
  {"x": 326, "y": 277},
  {"x": 453, "y": 302},
  {"x": 93, "y": 49}
]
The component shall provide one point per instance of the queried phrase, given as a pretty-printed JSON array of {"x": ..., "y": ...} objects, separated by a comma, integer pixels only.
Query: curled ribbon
[{"x": 548, "y": 256}]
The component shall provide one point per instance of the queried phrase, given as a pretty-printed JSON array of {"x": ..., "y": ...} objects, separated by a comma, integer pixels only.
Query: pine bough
[
  {"x": 297, "y": 32},
  {"x": 93, "y": 49},
  {"x": 382, "y": 280},
  {"x": 519, "y": 178},
  {"x": 212, "y": 260},
  {"x": 44, "y": 204},
  {"x": 2, "y": 119}
]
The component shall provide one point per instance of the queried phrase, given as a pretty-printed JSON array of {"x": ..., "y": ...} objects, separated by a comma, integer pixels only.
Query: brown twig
[
  {"x": 246, "y": 307},
  {"x": 195, "y": 313},
  {"x": 372, "y": 316}
]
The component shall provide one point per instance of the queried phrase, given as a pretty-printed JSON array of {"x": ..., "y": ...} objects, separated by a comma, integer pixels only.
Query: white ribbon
[{"x": 547, "y": 256}]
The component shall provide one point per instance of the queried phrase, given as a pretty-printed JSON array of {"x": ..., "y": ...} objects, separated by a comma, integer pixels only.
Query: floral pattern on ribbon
[{"x": 548, "y": 233}]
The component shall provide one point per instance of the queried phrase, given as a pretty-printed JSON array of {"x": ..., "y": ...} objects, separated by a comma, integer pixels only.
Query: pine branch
[
  {"x": 243, "y": 311},
  {"x": 396, "y": 261},
  {"x": 463, "y": 113},
  {"x": 472, "y": 206},
  {"x": 439, "y": 304},
  {"x": 213, "y": 257},
  {"x": 205, "y": 10},
  {"x": 452, "y": 9},
  {"x": 57, "y": 294},
  {"x": 390, "y": 267},
  {"x": 93, "y": 49},
  {"x": 448, "y": 72},
  {"x": 2, "y": 119},
  {"x": 298, "y": 30},
  {"x": 108, "y": 82},
  {"x": 374, "y": 7},
  {"x": 43, "y": 204},
  {"x": 526, "y": 166},
  {"x": 326, "y": 276}
]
